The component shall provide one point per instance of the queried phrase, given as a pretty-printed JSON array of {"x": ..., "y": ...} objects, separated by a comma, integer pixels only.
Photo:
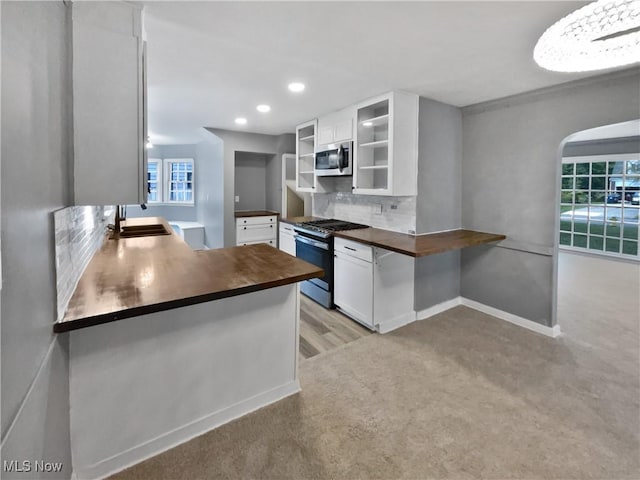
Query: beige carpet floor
[{"x": 460, "y": 395}]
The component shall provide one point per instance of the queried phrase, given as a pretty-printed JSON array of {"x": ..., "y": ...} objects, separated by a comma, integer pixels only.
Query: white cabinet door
[
  {"x": 108, "y": 104},
  {"x": 343, "y": 131},
  {"x": 325, "y": 135},
  {"x": 287, "y": 241},
  {"x": 353, "y": 287},
  {"x": 336, "y": 127}
]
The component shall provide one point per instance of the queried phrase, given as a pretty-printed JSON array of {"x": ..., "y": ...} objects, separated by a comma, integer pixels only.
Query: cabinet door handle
[
  {"x": 270, "y": 226},
  {"x": 349, "y": 248},
  {"x": 244, "y": 228}
]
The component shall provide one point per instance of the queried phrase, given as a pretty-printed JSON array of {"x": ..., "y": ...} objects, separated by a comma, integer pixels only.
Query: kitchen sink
[{"x": 143, "y": 230}]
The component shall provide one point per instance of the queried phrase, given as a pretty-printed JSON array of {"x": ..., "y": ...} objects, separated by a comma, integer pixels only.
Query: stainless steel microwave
[{"x": 334, "y": 159}]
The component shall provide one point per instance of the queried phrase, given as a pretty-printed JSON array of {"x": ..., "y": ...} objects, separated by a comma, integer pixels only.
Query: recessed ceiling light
[
  {"x": 602, "y": 34},
  {"x": 263, "y": 108},
  {"x": 296, "y": 87},
  {"x": 241, "y": 121},
  {"x": 367, "y": 124}
]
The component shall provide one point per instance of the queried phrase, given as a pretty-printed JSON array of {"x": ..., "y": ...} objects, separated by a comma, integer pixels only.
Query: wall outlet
[
  {"x": 377, "y": 209},
  {"x": 237, "y": 198},
  {"x": 394, "y": 206}
]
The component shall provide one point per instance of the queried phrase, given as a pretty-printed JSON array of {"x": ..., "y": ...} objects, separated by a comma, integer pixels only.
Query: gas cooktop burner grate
[{"x": 329, "y": 225}]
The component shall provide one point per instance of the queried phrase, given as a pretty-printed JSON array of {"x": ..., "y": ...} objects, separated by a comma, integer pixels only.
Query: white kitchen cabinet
[
  {"x": 386, "y": 145},
  {"x": 373, "y": 286},
  {"x": 336, "y": 127},
  {"x": 108, "y": 103},
  {"x": 305, "y": 156},
  {"x": 259, "y": 229},
  {"x": 287, "y": 241}
]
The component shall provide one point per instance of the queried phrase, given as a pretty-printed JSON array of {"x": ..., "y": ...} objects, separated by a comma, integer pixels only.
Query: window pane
[
  {"x": 615, "y": 167},
  {"x": 597, "y": 197},
  {"x": 566, "y": 197},
  {"x": 633, "y": 166},
  {"x": 582, "y": 197},
  {"x": 567, "y": 183},
  {"x": 630, "y": 248},
  {"x": 612, "y": 245},
  {"x": 598, "y": 168},
  {"x": 568, "y": 168},
  {"x": 580, "y": 241},
  {"x": 582, "y": 168},
  {"x": 565, "y": 239},
  {"x": 582, "y": 183},
  {"x": 612, "y": 230},
  {"x": 630, "y": 231},
  {"x": 598, "y": 183},
  {"x": 580, "y": 225},
  {"x": 596, "y": 228},
  {"x": 596, "y": 243}
]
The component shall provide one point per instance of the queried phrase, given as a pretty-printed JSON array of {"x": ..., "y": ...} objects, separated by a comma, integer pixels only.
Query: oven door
[{"x": 319, "y": 253}]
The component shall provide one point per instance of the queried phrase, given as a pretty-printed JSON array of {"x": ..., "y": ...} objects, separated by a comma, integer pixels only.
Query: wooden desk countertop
[
  {"x": 128, "y": 277},
  {"x": 419, "y": 245}
]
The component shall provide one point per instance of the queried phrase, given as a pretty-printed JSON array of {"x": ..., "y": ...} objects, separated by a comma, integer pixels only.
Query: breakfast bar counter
[{"x": 128, "y": 277}]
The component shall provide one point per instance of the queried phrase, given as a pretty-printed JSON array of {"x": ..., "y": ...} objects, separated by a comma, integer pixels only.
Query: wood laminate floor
[{"x": 322, "y": 330}]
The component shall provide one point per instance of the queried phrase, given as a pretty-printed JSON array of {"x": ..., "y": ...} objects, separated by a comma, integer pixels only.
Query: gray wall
[
  {"x": 210, "y": 189},
  {"x": 510, "y": 184},
  {"x": 438, "y": 205},
  {"x": 239, "y": 142},
  {"x": 285, "y": 143},
  {"x": 251, "y": 181},
  {"x": 36, "y": 151}
]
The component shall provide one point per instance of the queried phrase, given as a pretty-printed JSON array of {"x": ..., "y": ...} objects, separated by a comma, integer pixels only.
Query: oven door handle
[{"x": 309, "y": 241}]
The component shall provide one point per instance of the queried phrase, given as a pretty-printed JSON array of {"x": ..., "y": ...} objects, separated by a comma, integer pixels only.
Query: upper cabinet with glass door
[
  {"x": 305, "y": 156},
  {"x": 386, "y": 145}
]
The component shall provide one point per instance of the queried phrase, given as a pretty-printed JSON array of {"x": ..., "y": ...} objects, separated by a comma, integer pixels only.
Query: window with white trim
[
  {"x": 600, "y": 204},
  {"x": 171, "y": 181}
]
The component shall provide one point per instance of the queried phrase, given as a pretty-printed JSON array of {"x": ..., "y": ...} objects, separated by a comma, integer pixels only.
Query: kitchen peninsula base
[{"x": 141, "y": 386}]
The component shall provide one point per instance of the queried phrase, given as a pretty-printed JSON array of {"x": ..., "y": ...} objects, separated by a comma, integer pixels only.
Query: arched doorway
[{"x": 597, "y": 235}]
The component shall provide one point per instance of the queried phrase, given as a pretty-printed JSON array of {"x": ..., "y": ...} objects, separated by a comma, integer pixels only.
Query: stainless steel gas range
[{"x": 314, "y": 244}]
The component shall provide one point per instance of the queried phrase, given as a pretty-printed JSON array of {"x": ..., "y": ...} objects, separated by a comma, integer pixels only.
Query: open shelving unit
[
  {"x": 373, "y": 146},
  {"x": 305, "y": 157}
]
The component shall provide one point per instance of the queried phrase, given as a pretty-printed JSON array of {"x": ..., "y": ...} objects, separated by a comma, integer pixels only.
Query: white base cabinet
[
  {"x": 373, "y": 286},
  {"x": 262, "y": 229},
  {"x": 287, "y": 241}
]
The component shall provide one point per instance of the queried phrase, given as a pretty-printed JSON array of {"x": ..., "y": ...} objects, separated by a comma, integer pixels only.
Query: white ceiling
[{"x": 210, "y": 62}]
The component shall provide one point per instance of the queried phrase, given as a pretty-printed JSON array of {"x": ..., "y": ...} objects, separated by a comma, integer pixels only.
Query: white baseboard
[
  {"x": 552, "y": 332},
  {"x": 439, "y": 308},
  {"x": 397, "y": 322},
  {"x": 494, "y": 312},
  {"x": 153, "y": 447}
]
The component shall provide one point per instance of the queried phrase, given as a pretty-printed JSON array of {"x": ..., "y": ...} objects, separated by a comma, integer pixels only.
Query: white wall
[
  {"x": 36, "y": 151},
  {"x": 510, "y": 183}
]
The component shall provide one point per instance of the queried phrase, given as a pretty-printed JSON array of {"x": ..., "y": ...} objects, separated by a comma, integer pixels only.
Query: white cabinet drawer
[
  {"x": 355, "y": 249},
  {"x": 271, "y": 242},
  {"x": 255, "y": 232},
  {"x": 272, "y": 219}
]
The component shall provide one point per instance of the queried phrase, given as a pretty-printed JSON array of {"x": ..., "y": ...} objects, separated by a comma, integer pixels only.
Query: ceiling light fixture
[
  {"x": 296, "y": 87},
  {"x": 263, "y": 108},
  {"x": 602, "y": 34},
  {"x": 241, "y": 121}
]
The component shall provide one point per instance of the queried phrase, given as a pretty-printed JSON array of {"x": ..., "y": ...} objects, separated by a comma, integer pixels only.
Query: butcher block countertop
[
  {"x": 128, "y": 277},
  {"x": 255, "y": 213},
  {"x": 419, "y": 245}
]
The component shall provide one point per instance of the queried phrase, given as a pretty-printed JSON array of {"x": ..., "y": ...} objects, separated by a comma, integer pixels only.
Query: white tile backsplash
[
  {"x": 389, "y": 213},
  {"x": 79, "y": 232}
]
